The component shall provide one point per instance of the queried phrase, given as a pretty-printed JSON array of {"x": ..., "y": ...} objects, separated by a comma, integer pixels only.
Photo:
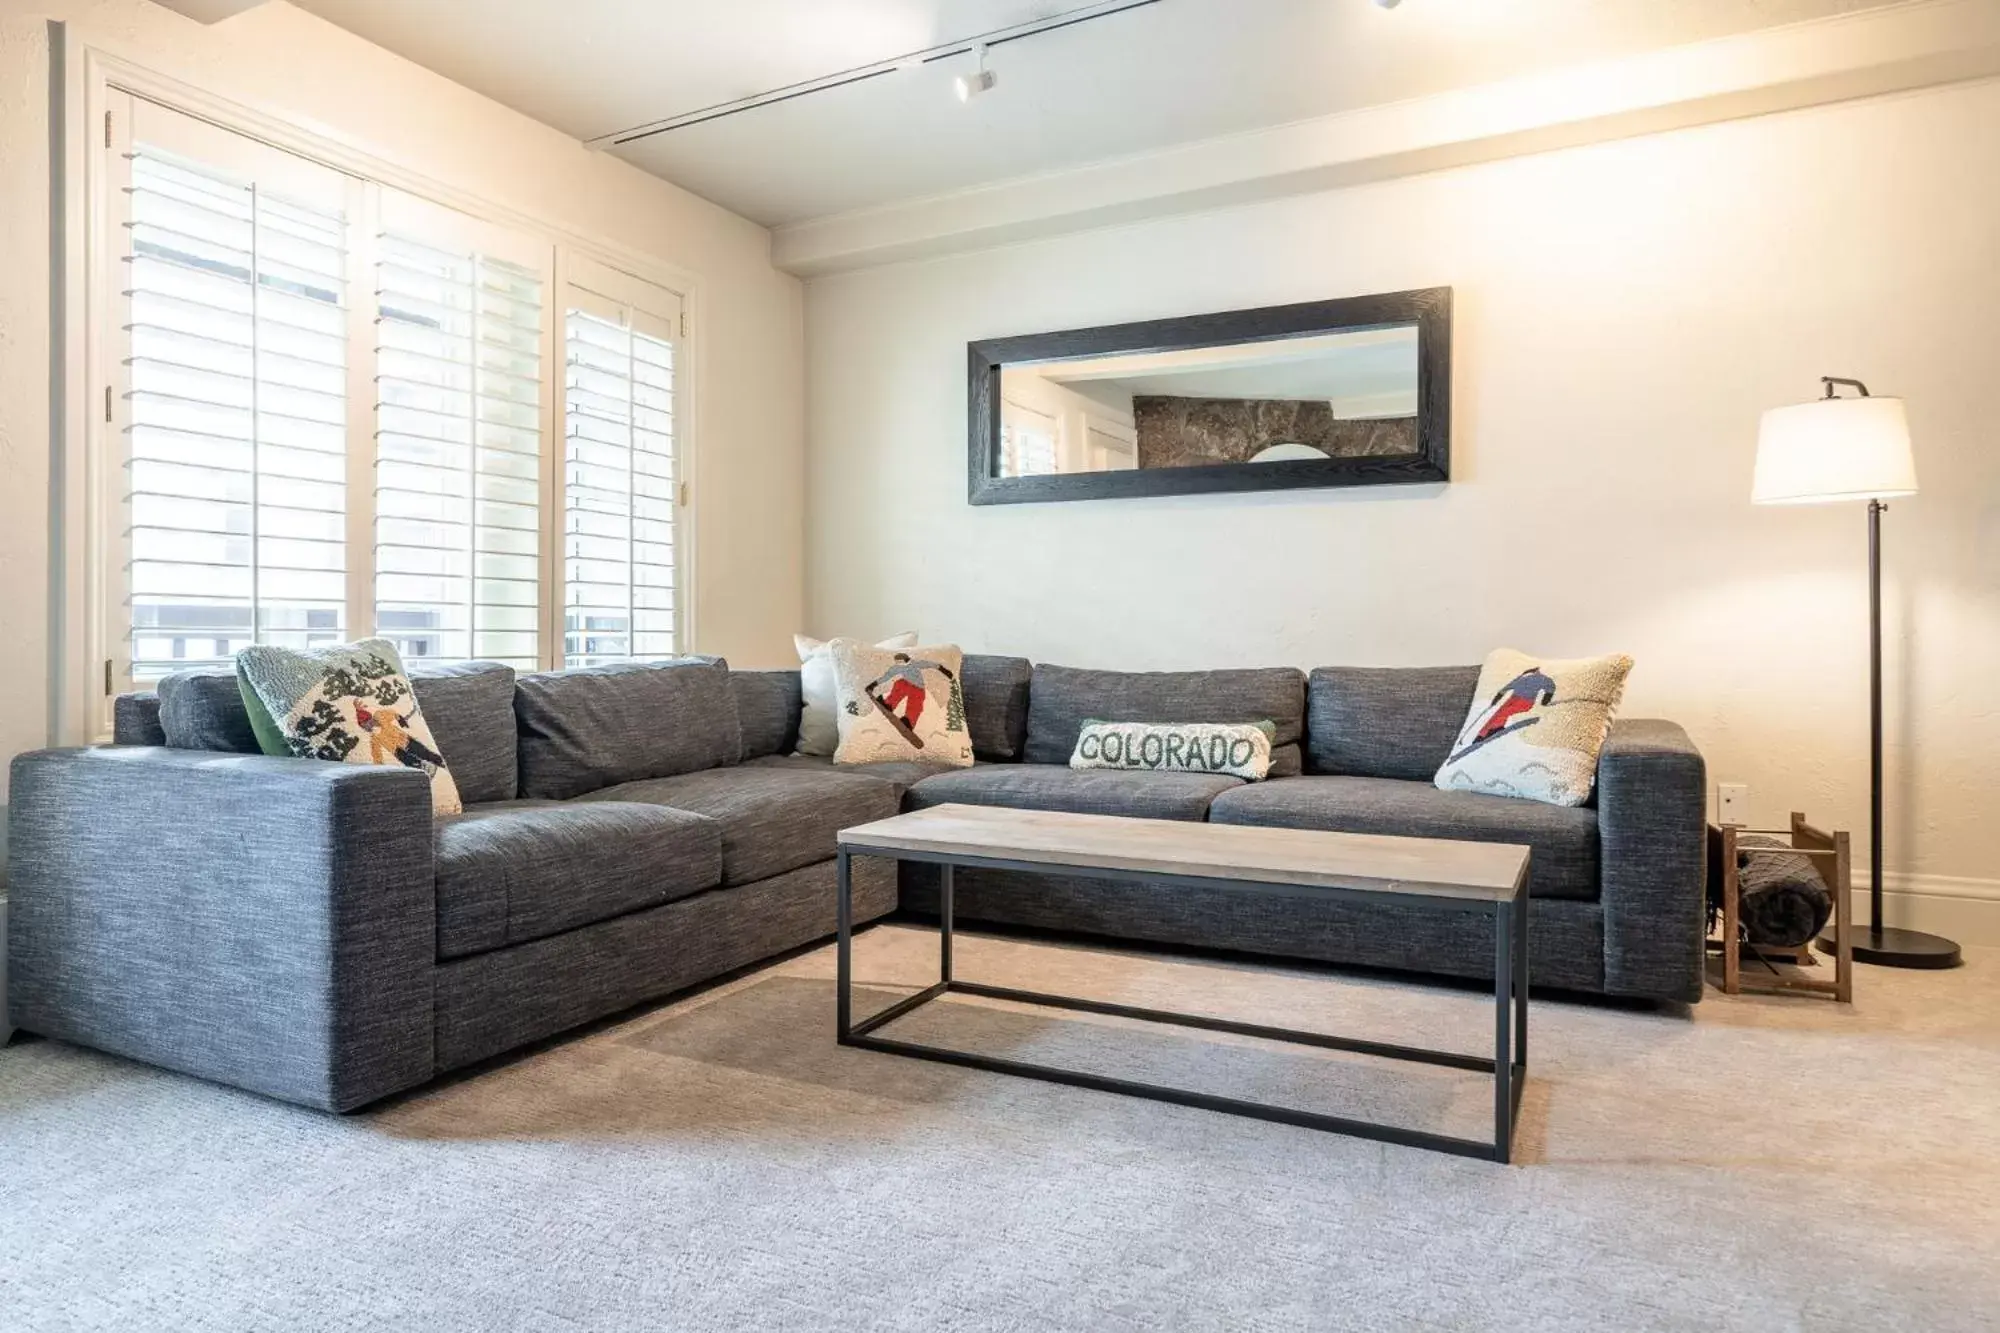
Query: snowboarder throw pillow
[
  {"x": 1535, "y": 728},
  {"x": 900, "y": 703}
]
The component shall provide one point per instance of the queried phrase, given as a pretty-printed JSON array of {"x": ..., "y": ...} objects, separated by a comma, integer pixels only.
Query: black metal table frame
[{"x": 1509, "y": 1065}]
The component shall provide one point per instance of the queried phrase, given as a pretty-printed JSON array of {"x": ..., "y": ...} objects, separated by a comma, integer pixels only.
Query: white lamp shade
[{"x": 1834, "y": 449}]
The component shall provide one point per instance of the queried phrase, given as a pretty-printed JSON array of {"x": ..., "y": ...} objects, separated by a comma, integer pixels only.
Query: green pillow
[{"x": 270, "y": 737}]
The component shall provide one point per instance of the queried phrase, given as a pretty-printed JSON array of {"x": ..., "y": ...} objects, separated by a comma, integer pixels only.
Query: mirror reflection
[{"x": 1340, "y": 395}]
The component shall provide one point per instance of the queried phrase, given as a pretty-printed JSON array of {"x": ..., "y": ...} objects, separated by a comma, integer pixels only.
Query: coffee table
[{"x": 1434, "y": 874}]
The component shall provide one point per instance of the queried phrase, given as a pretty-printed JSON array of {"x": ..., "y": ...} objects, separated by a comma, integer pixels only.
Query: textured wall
[{"x": 1623, "y": 314}]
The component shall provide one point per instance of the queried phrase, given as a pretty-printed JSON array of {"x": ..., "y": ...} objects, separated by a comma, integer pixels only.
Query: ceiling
[{"x": 1169, "y": 73}]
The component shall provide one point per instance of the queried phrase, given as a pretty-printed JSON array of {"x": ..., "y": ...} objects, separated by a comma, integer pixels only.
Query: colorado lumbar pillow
[
  {"x": 1536, "y": 727},
  {"x": 819, "y": 719},
  {"x": 900, "y": 703},
  {"x": 1240, "y": 749},
  {"x": 350, "y": 703}
]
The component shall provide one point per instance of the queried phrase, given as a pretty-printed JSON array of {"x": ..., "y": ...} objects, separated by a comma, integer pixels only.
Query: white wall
[
  {"x": 749, "y": 501},
  {"x": 1624, "y": 312}
]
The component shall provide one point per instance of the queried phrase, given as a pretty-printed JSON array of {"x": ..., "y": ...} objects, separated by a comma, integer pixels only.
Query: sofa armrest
[
  {"x": 1652, "y": 808},
  {"x": 269, "y": 923}
]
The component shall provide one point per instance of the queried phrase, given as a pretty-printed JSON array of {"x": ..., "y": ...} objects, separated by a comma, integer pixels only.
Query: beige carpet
[{"x": 1762, "y": 1164}]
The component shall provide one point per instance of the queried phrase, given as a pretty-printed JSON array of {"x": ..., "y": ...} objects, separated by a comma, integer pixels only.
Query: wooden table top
[{"x": 1430, "y": 867}]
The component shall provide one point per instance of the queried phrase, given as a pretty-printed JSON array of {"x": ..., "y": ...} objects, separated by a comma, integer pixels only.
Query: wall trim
[
  {"x": 1963, "y": 908},
  {"x": 1919, "y": 44}
]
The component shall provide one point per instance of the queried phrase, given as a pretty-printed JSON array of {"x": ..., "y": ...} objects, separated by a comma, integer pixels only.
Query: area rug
[{"x": 718, "y": 1163}]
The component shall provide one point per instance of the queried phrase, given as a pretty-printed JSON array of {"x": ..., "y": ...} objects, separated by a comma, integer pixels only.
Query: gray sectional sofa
[{"x": 308, "y": 930}]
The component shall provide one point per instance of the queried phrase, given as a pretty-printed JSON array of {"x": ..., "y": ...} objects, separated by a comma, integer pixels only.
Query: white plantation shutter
[
  {"x": 620, "y": 471},
  {"x": 458, "y": 445},
  {"x": 330, "y": 410},
  {"x": 234, "y": 292},
  {"x": 1028, "y": 437}
]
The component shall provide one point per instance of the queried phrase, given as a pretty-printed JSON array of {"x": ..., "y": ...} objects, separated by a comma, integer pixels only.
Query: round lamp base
[{"x": 1890, "y": 947}]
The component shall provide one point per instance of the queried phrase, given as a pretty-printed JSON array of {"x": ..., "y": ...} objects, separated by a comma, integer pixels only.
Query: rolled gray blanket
[{"x": 1782, "y": 902}]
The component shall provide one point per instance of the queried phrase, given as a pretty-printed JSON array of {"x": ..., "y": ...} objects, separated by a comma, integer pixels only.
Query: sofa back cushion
[
  {"x": 470, "y": 707},
  {"x": 1062, "y": 699},
  {"x": 135, "y": 719},
  {"x": 1385, "y": 722},
  {"x": 599, "y": 726},
  {"x": 996, "y": 705},
  {"x": 767, "y": 708},
  {"x": 203, "y": 710}
]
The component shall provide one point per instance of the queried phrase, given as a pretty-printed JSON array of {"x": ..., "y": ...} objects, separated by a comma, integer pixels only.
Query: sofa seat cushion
[
  {"x": 773, "y": 817},
  {"x": 513, "y": 871},
  {"x": 1563, "y": 839},
  {"x": 1088, "y": 791},
  {"x": 902, "y": 774}
]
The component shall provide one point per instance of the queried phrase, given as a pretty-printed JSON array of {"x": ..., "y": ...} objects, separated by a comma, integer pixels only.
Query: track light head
[{"x": 969, "y": 86}]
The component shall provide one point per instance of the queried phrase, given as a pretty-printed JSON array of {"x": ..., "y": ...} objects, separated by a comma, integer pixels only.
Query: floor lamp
[{"x": 1853, "y": 448}]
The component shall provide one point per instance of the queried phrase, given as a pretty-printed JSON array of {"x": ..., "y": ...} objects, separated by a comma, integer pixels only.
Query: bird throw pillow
[
  {"x": 900, "y": 703},
  {"x": 1536, "y": 727},
  {"x": 351, "y": 703}
]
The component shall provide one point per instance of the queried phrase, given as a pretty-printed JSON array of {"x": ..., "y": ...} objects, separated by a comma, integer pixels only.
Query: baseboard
[{"x": 1965, "y": 909}]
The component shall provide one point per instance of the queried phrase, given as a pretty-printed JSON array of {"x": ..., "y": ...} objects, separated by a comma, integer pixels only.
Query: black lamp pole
[{"x": 1882, "y": 945}]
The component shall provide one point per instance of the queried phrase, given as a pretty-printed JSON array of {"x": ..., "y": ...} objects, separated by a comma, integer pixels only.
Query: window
[
  {"x": 457, "y": 443},
  {"x": 1027, "y": 440},
  {"x": 619, "y": 484},
  {"x": 331, "y": 412},
  {"x": 234, "y": 495}
]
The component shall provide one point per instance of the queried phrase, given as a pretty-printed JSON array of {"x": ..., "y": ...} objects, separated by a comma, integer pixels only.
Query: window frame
[{"x": 90, "y": 648}]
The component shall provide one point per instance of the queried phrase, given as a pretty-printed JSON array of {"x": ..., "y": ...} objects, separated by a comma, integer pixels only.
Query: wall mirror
[{"x": 1351, "y": 392}]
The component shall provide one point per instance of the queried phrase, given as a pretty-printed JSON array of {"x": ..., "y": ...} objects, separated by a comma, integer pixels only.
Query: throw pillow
[
  {"x": 270, "y": 737},
  {"x": 1536, "y": 727},
  {"x": 900, "y": 703},
  {"x": 1240, "y": 749},
  {"x": 351, "y": 703},
  {"x": 819, "y": 712}
]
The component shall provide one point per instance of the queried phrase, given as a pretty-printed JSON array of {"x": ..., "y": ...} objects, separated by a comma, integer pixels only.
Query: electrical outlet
[{"x": 1732, "y": 803}]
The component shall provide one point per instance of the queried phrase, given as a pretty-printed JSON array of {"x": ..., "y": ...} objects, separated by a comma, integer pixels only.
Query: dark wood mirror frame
[{"x": 1429, "y": 309}]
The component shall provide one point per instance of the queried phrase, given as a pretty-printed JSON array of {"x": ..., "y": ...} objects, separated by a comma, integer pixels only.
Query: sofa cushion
[
  {"x": 203, "y": 710},
  {"x": 1385, "y": 722},
  {"x": 1088, "y": 791},
  {"x": 470, "y": 707},
  {"x": 135, "y": 719},
  {"x": 767, "y": 709},
  {"x": 1061, "y": 699},
  {"x": 515, "y": 871},
  {"x": 902, "y": 774},
  {"x": 1563, "y": 863},
  {"x": 996, "y": 704},
  {"x": 774, "y": 818},
  {"x": 599, "y": 726}
]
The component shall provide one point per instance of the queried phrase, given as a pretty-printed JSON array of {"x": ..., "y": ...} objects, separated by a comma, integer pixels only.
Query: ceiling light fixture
[
  {"x": 969, "y": 86},
  {"x": 1387, "y": 4},
  {"x": 1067, "y": 18}
]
